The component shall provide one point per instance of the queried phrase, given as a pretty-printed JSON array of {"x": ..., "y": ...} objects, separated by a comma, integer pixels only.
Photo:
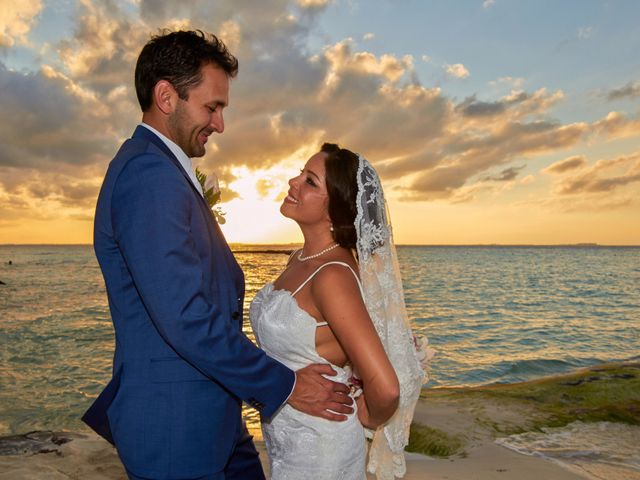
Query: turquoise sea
[{"x": 494, "y": 314}]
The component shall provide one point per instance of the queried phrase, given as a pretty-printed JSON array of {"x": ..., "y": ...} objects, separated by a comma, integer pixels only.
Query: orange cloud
[
  {"x": 16, "y": 20},
  {"x": 566, "y": 165},
  {"x": 606, "y": 175}
]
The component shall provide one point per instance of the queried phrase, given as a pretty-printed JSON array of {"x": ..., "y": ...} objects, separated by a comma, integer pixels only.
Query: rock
[{"x": 33, "y": 443}]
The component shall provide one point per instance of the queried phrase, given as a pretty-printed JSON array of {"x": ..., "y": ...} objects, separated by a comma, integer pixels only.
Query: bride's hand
[{"x": 363, "y": 413}]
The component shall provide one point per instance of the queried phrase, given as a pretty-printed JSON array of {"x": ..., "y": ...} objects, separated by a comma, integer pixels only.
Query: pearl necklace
[{"x": 316, "y": 255}]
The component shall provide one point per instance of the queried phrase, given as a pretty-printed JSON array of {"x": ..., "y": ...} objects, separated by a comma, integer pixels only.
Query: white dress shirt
[{"x": 180, "y": 155}]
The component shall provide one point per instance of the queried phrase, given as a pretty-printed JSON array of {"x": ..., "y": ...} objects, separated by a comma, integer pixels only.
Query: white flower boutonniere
[{"x": 212, "y": 194}]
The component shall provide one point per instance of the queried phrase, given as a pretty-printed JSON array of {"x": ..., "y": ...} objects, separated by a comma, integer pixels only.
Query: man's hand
[{"x": 315, "y": 395}]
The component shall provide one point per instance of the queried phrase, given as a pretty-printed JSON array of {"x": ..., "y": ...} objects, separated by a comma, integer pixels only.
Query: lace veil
[{"x": 384, "y": 298}]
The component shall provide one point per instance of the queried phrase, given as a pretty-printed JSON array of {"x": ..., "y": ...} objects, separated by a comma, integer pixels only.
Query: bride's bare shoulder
[{"x": 336, "y": 281}]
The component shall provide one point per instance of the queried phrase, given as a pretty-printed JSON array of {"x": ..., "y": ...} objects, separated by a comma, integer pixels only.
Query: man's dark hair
[
  {"x": 341, "y": 169},
  {"x": 178, "y": 58}
]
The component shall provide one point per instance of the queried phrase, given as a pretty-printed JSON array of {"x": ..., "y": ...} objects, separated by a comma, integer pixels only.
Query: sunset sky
[{"x": 489, "y": 121}]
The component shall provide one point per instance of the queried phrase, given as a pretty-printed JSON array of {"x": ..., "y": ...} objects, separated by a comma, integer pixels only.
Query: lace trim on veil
[{"x": 384, "y": 298}]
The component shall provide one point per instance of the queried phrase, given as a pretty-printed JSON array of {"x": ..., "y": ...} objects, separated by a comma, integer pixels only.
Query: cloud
[
  {"x": 368, "y": 36},
  {"x": 343, "y": 59},
  {"x": 16, "y": 20},
  {"x": 605, "y": 176},
  {"x": 505, "y": 175},
  {"x": 630, "y": 90},
  {"x": 606, "y": 185},
  {"x": 313, "y": 3},
  {"x": 470, "y": 153},
  {"x": 457, "y": 70},
  {"x": 585, "y": 33},
  {"x": 103, "y": 50},
  {"x": 515, "y": 82},
  {"x": 468, "y": 145},
  {"x": 54, "y": 122},
  {"x": 265, "y": 186},
  {"x": 341, "y": 95},
  {"x": 69, "y": 117},
  {"x": 616, "y": 125},
  {"x": 42, "y": 195},
  {"x": 566, "y": 165},
  {"x": 602, "y": 203},
  {"x": 488, "y": 3},
  {"x": 471, "y": 107}
]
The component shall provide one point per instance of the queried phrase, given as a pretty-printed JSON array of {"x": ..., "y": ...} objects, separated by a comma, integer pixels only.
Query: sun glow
[{"x": 255, "y": 217}]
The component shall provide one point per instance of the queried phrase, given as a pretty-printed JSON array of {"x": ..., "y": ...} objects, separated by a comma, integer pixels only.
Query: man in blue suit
[{"x": 182, "y": 365}]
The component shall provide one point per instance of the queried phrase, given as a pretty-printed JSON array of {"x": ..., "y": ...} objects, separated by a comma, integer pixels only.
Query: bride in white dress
[{"x": 330, "y": 307}]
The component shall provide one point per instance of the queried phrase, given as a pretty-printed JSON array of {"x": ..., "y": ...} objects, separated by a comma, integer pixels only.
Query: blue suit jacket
[{"x": 182, "y": 365}]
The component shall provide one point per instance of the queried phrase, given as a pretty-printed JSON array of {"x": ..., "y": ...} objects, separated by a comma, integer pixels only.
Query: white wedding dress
[{"x": 300, "y": 445}]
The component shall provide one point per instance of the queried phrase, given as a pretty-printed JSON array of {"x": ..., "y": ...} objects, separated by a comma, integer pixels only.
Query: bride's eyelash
[{"x": 309, "y": 180}]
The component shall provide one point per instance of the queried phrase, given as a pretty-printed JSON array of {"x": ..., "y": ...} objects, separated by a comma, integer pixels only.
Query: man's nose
[{"x": 217, "y": 122}]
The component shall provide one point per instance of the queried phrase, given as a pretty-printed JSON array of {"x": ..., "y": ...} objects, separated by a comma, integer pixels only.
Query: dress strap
[
  {"x": 291, "y": 255},
  {"x": 320, "y": 268}
]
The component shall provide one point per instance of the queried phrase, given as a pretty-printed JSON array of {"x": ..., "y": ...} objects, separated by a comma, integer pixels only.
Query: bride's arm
[{"x": 337, "y": 297}]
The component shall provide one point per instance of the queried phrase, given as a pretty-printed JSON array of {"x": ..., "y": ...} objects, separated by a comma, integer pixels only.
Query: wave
[{"x": 598, "y": 451}]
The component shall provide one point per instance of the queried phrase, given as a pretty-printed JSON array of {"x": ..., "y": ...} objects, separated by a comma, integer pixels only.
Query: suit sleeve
[{"x": 151, "y": 208}]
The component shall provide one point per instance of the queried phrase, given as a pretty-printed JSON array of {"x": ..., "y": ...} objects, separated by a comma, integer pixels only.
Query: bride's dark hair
[{"x": 341, "y": 169}]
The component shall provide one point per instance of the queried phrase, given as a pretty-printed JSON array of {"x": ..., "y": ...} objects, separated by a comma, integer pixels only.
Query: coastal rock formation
[{"x": 33, "y": 443}]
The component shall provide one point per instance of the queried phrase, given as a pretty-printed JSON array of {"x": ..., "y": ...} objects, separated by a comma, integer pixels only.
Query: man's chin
[{"x": 197, "y": 152}]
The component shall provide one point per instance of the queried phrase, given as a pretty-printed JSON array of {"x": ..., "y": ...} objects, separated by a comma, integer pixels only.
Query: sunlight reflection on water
[{"x": 494, "y": 314}]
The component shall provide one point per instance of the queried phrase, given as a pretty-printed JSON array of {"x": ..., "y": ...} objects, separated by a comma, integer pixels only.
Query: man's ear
[{"x": 165, "y": 96}]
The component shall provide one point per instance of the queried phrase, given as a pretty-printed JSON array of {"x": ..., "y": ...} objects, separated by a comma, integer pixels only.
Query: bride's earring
[{"x": 331, "y": 228}]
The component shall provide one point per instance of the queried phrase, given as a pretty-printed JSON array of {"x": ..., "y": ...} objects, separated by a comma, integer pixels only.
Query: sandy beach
[
  {"x": 457, "y": 428},
  {"x": 88, "y": 457}
]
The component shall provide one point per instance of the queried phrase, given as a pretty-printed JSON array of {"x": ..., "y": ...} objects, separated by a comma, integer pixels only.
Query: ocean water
[
  {"x": 597, "y": 451},
  {"x": 507, "y": 314},
  {"x": 494, "y": 315}
]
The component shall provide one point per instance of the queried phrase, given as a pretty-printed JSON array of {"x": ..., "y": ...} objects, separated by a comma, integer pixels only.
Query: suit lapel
[
  {"x": 212, "y": 224},
  {"x": 142, "y": 132}
]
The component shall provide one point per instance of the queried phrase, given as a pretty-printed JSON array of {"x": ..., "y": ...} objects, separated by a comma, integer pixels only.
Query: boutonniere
[{"x": 212, "y": 194}]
